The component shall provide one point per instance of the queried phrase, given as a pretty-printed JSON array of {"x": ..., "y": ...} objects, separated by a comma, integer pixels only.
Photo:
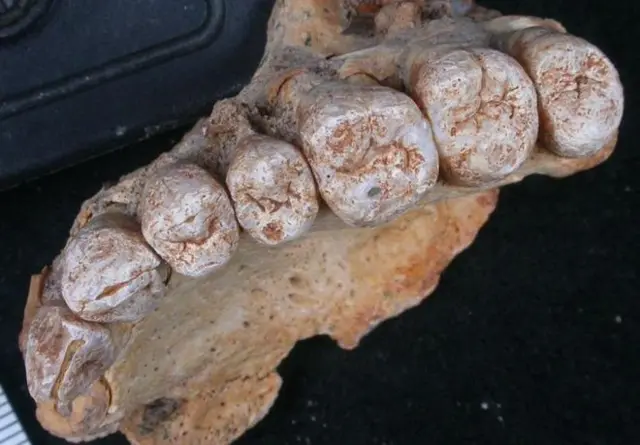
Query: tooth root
[
  {"x": 187, "y": 218},
  {"x": 109, "y": 273},
  {"x": 580, "y": 95},
  {"x": 370, "y": 149},
  {"x": 65, "y": 356},
  {"x": 272, "y": 189},
  {"x": 483, "y": 110}
]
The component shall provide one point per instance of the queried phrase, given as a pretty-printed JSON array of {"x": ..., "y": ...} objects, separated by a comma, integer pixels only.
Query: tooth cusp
[
  {"x": 188, "y": 219},
  {"x": 371, "y": 151},
  {"x": 65, "y": 355},
  {"x": 483, "y": 110},
  {"x": 109, "y": 273},
  {"x": 581, "y": 98},
  {"x": 273, "y": 190}
]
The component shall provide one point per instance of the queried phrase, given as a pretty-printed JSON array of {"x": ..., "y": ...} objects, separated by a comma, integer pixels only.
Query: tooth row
[{"x": 471, "y": 118}]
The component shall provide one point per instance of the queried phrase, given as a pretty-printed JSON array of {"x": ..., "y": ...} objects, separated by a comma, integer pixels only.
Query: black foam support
[{"x": 80, "y": 78}]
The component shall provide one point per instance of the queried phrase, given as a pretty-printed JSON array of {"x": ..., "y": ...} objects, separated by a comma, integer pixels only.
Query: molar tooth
[
  {"x": 109, "y": 273},
  {"x": 482, "y": 107},
  {"x": 273, "y": 190},
  {"x": 187, "y": 217},
  {"x": 580, "y": 95},
  {"x": 371, "y": 150}
]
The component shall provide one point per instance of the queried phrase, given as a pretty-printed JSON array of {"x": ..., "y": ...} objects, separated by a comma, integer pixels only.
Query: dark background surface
[
  {"x": 532, "y": 337},
  {"x": 85, "y": 76}
]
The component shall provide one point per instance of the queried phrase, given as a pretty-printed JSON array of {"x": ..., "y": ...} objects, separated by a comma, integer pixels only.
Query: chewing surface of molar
[
  {"x": 109, "y": 273},
  {"x": 481, "y": 104},
  {"x": 483, "y": 110},
  {"x": 581, "y": 99},
  {"x": 370, "y": 148},
  {"x": 337, "y": 279}
]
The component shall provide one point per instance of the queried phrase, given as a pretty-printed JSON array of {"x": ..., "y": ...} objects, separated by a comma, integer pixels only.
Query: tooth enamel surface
[
  {"x": 272, "y": 189},
  {"x": 579, "y": 90},
  {"x": 186, "y": 216},
  {"x": 109, "y": 273},
  {"x": 371, "y": 151},
  {"x": 65, "y": 355},
  {"x": 483, "y": 110}
]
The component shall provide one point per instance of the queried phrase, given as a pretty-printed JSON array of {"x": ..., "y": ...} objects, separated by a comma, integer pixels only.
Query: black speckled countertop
[{"x": 532, "y": 337}]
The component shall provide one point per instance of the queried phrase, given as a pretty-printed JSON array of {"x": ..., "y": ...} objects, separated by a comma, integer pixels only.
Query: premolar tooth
[
  {"x": 272, "y": 189},
  {"x": 187, "y": 217}
]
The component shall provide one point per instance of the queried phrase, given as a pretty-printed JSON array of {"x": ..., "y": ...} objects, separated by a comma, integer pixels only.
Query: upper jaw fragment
[{"x": 470, "y": 116}]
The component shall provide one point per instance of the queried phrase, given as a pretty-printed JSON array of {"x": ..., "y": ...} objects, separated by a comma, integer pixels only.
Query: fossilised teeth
[
  {"x": 109, "y": 273},
  {"x": 65, "y": 355},
  {"x": 371, "y": 150},
  {"x": 187, "y": 217},
  {"x": 272, "y": 189},
  {"x": 580, "y": 95},
  {"x": 482, "y": 107}
]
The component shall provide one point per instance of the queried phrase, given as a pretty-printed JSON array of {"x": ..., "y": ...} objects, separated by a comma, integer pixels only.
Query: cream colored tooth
[
  {"x": 65, "y": 355},
  {"x": 109, "y": 273},
  {"x": 581, "y": 98},
  {"x": 187, "y": 217},
  {"x": 371, "y": 150},
  {"x": 273, "y": 190},
  {"x": 482, "y": 108}
]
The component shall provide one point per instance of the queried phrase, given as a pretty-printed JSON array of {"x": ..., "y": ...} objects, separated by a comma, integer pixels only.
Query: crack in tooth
[
  {"x": 188, "y": 219},
  {"x": 580, "y": 95},
  {"x": 483, "y": 110},
  {"x": 65, "y": 355},
  {"x": 363, "y": 138},
  {"x": 109, "y": 273},
  {"x": 278, "y": 174}
]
